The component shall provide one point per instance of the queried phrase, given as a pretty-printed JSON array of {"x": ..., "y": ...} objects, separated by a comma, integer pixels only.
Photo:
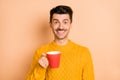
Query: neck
[{"x": 61, "y": 41}]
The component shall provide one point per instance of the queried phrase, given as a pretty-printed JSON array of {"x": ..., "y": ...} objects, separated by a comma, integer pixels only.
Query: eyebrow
[
  {"x": 66, "y": 20},
  {"x": 55, "y": 19}
]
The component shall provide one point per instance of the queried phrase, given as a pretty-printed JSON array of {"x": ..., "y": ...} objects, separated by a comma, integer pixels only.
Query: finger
[
  {"x": 43, "y": 62},
  {"x": 43, "y": 54}
]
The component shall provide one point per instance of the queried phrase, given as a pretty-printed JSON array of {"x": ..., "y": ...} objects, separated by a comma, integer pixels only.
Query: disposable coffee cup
[{"x": 54, "y": 58}]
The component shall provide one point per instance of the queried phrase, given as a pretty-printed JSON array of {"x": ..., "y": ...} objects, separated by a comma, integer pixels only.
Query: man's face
[{"x": 60, "y": 25}]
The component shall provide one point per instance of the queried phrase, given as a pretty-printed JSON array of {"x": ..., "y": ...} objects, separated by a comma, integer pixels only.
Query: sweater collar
[{"x": 61, "y": 46}]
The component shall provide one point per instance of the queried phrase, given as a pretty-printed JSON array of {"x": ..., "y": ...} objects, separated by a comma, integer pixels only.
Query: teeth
[{"x": 60, "y": 32}]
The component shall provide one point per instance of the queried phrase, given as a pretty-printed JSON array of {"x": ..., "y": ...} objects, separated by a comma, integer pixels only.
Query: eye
[
  {"x": 55, "y": 22},
  {"x": 65, "y": 22}
]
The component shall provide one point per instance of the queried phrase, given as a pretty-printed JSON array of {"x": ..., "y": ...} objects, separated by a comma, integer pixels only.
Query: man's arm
[
  {"x": 88, "y": 72},
  {"x": 36, "y": 71}
]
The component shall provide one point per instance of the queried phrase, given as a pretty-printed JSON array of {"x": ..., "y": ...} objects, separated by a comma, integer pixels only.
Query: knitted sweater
[{"x": 75, "y": 63}]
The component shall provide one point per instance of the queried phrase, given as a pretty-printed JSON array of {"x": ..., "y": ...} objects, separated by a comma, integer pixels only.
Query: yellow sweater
[{"x": 75, "y": 63}]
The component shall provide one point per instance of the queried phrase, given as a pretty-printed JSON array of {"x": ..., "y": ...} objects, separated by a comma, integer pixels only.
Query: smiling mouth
[{"x": 60, "y": 31}]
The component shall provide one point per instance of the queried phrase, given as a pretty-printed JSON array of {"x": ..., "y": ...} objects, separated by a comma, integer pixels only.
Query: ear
[
  {"x": 70, "y": 25},
  {"x": 50, "y": 24}
]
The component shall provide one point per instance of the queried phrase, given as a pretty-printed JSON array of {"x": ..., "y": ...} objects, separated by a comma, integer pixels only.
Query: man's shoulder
[
  {"x": 82, "y": 49},
  {"x": 79, "y": 45},
  {"x": 41, "y": 49}
]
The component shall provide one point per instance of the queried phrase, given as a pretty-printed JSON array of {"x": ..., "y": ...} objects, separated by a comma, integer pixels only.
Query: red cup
[{"x": 54, "y": 59}]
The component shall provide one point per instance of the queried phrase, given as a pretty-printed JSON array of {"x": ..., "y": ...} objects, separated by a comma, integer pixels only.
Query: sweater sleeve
[
  {"x": 36, "y": 71},
  {"x": 88, "y": 72}
]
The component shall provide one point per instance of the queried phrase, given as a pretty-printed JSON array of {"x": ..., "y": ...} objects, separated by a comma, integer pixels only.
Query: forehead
[{"x": 60, "y": 17}]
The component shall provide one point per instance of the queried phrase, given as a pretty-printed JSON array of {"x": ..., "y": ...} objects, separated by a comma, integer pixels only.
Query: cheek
[
  {"x": 68, "y": 26},
  {"x": 55, "y": 27}
]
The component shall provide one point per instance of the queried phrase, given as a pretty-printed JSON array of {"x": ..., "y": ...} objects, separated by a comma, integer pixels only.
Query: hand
[{"x": 43, "y": 61}]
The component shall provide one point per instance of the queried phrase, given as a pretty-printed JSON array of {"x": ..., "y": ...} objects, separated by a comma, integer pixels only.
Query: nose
[{"x": 61, "y": 26}]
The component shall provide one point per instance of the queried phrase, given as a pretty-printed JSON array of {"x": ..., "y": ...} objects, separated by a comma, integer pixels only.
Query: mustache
[{"x": 61, "y": 29}]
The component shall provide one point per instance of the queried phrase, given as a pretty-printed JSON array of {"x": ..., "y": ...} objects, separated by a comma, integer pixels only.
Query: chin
[{"x": 61, "y": 38}]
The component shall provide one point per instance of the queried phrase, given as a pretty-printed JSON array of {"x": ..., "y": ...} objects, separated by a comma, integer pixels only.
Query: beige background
[{"x": 24, "y": 27}]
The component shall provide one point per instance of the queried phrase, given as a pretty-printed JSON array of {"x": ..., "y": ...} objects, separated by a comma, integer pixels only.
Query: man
[{"x": 75, "y": 62}]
